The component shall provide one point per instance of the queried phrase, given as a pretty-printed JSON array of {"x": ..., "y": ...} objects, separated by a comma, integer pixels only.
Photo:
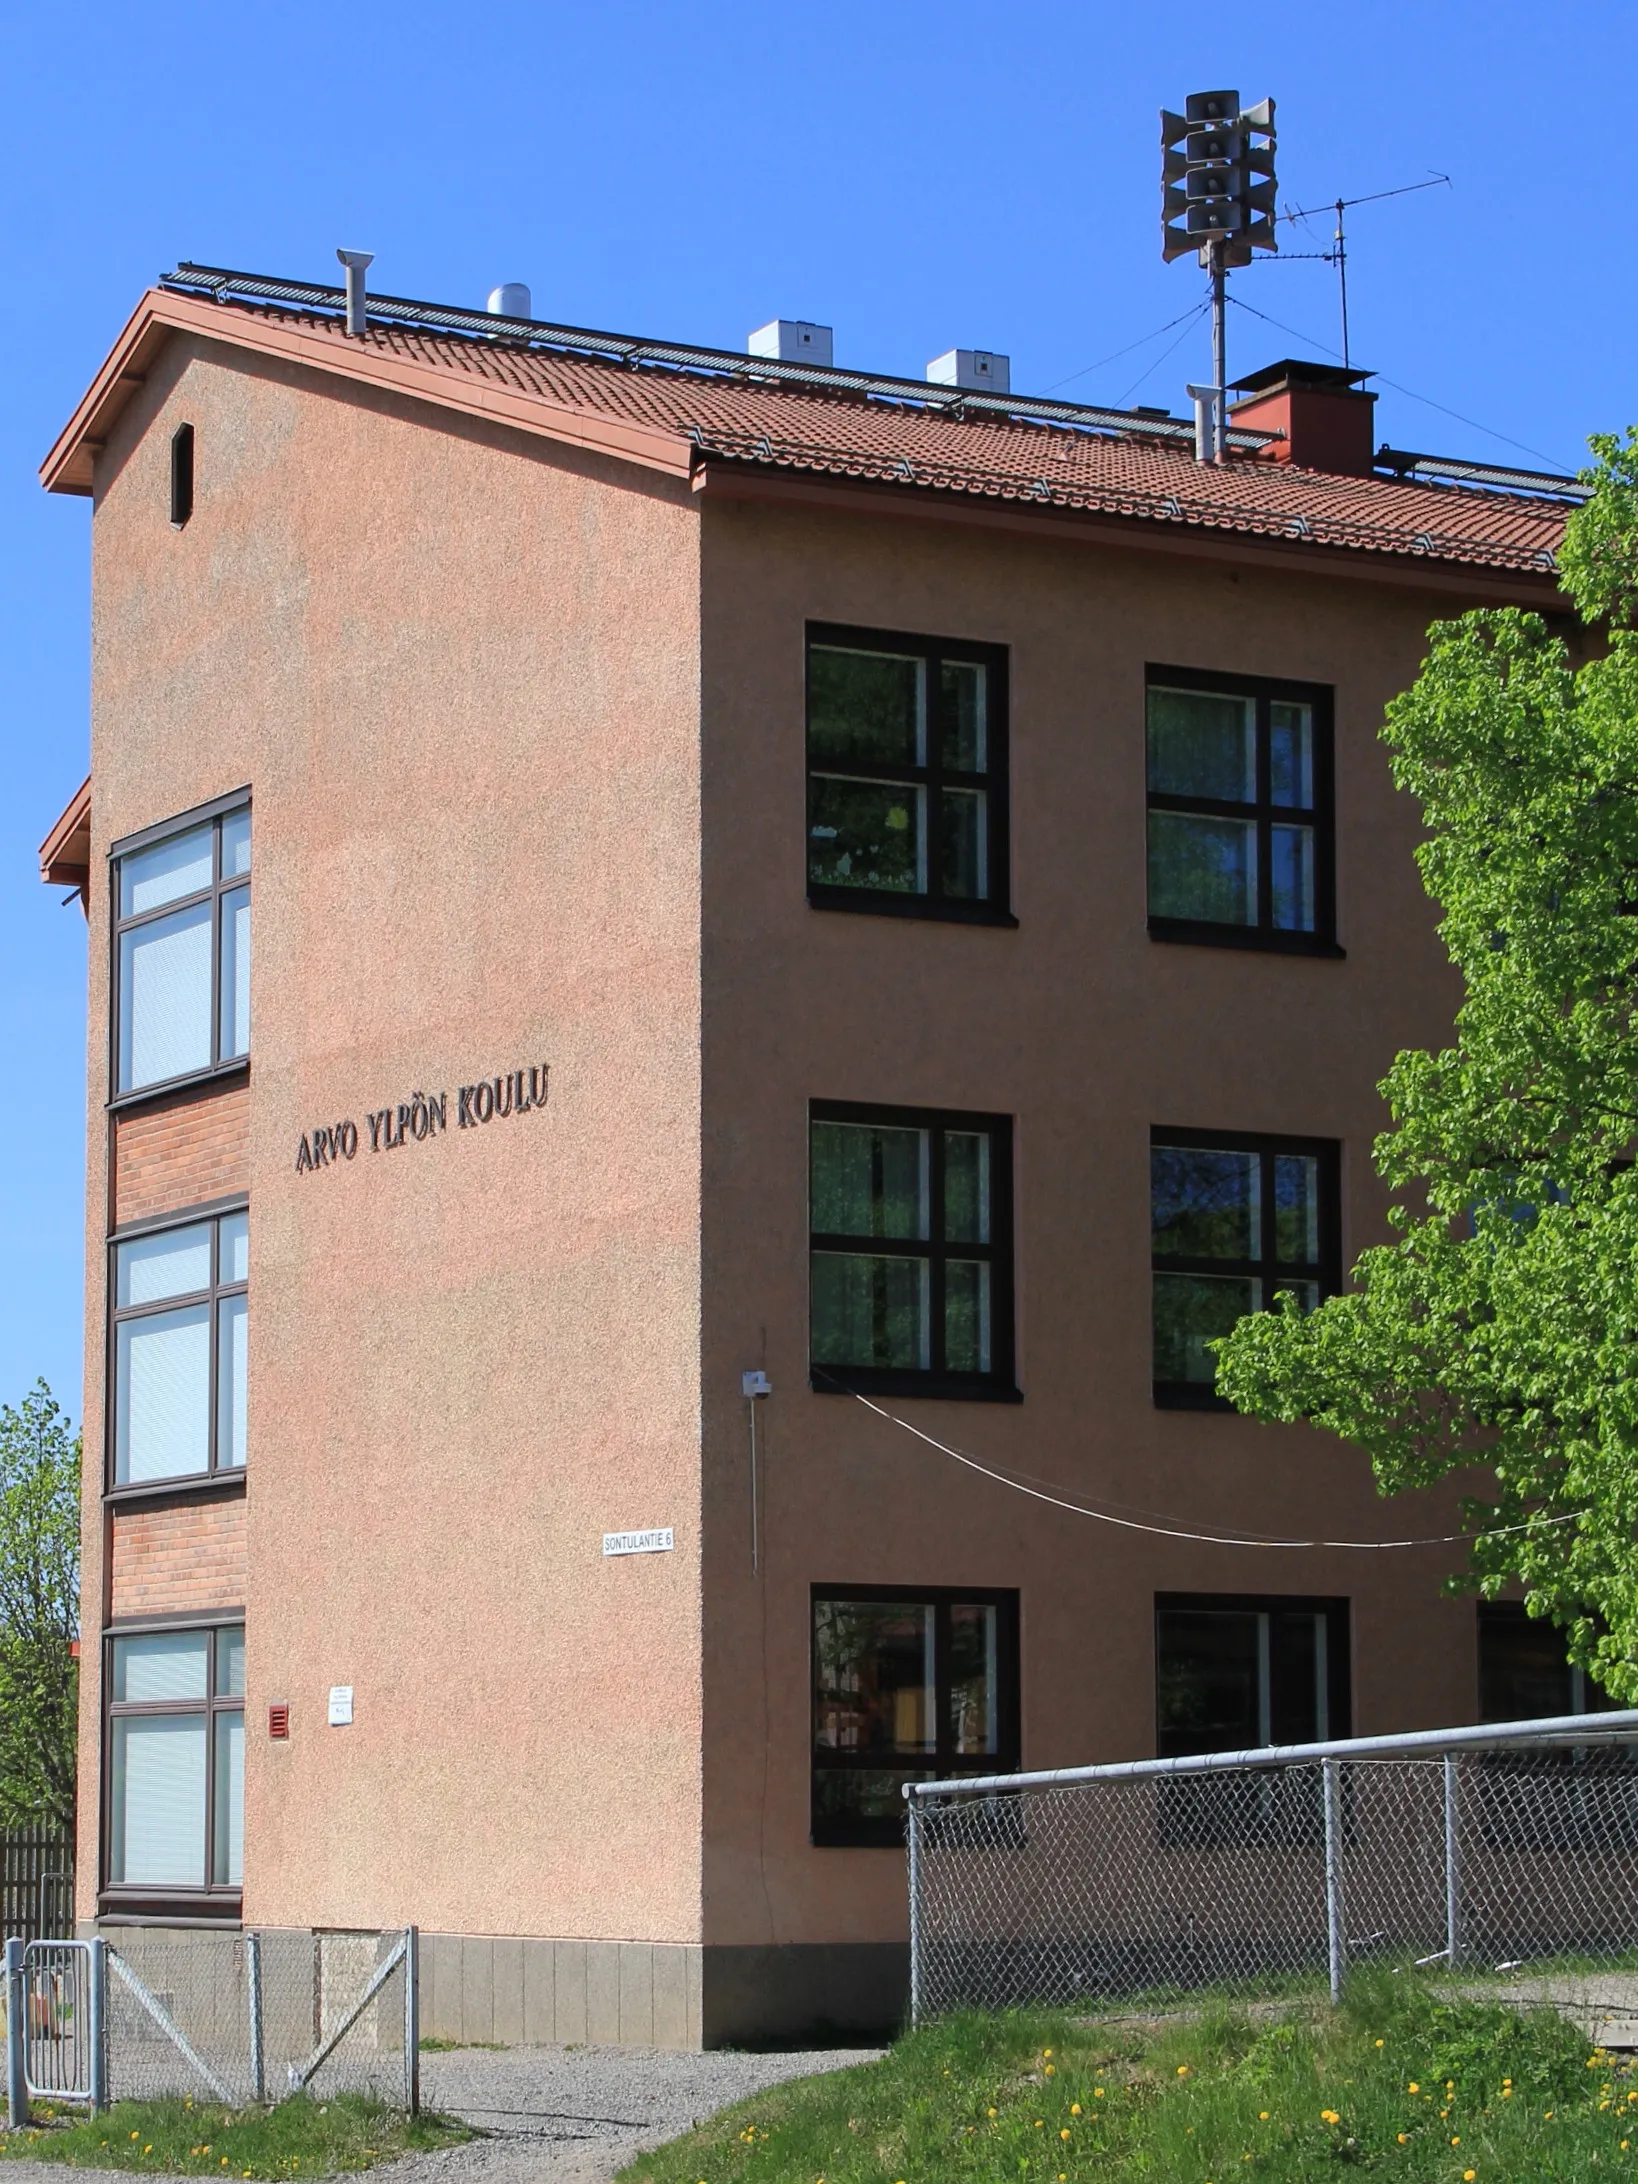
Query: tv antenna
[
  {"x": 1337, "y": 255},
  {"x": 1217, "y": 197}
]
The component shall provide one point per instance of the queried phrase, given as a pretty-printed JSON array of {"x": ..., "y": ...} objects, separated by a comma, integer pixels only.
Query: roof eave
[
  {"x": 68, "y": 468},
  {"x": 65, "y": 854},
  {"x": 1475, "y": 582}
]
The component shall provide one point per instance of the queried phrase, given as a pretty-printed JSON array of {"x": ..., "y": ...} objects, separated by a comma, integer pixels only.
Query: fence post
[
  {"x": 97, "y": 2022},
  {"x": 1453, "y": 1867},
  {"x": 914, "y": 1815},
  {"x": 253, "y": 1981},
  {"x": 16, "y": 2035},
  {"x": 412, "y": 2019},
  {"x": 1335, "y": 1943}
]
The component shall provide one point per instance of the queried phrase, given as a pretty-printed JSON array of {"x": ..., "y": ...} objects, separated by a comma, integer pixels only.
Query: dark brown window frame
[
  {"x": 1337, "y": 1608},
  {"x": 217, "y": 1478},
  {"x": 233, "y": 1066},
  {"x": 829, "y": 1834},
  {"x": 999, "y": 1384},
  {"x": 122, "y": 1903},
  {"x": 995, "y": 909},
  {"x": 1269, "y": 1269},
  {"x": 1264, "y": 935}
]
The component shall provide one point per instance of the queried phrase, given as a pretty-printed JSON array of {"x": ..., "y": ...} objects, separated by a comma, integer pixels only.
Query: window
[
  {"x": 176, "y": 1763},
  {"x": 1523, "y": 1673},
  {"x": 181, "y": 475},
  {"x": 1232, "y": 1674},
  {"x": 1235, "y": 1675},
  {"x": 182, "y": 1001},
  {"x": 908, "y": 1686},
  {"x": 911, "y": 1265},
  {"x": 907, "y": 775},
  {"x": 1233, "y": 1222},
  {"x": 181, "y": 1351},
  {"x": 1240, "y": 826}
]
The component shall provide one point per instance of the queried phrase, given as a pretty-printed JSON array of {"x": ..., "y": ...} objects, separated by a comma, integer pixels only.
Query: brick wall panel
[
  {"x": 185, "y": 1556},
  {"x": 194, "y": 1147}
]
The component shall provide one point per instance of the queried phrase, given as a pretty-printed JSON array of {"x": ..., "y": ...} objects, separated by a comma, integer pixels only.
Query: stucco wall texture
[
  {"x": 1087, "y": 1033},
  {"x": 462, "y": 681},
  {"x": 524, "y": 731}
]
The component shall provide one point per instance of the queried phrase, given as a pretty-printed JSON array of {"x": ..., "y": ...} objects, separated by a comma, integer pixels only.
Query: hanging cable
[
  {"x": 1149, "y": 371},
  {"x": 1193, "y": 311},
  {"x": 1177, "y": 1531},
  {"x": 1428, "y": 402}
]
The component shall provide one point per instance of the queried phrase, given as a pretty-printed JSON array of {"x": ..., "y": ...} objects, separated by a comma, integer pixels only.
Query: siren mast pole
[{"x": 1216, "y": 253}]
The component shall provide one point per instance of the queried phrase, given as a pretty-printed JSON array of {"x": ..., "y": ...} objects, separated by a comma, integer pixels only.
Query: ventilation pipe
[
  {"x": 357, "y": 263},
  {"x": 1208, "y": 430},
  {"x": 511, "y": 300}
]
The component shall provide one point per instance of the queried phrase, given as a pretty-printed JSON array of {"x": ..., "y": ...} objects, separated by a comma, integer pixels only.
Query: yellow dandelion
[
  {"x": 1404, "y": 2138},
  {"x": 1329, "y": 2115},
  {"x": 1182, "y": 2070},
  {"x": 1262, "y": 2115},
  {"x": 1379, "y": 2043},
  {"x": 992, "y": 2111},
  {"x": 136, "y": 2134},
  {"x": 1063, "y": 2134},
  {"x": 1414, "y": 2087},
  {"x": 1040, "y": 2123},
  {"x": 1457, "y": 2140},
  {"x": 1097, "y": 2092},
  {"x": 1051, "y": 2070},
  {"x": 1468, "y": 2175},
  {"x": 1074, "y": 2108},
  {"x": 1507, "y": 2092}
]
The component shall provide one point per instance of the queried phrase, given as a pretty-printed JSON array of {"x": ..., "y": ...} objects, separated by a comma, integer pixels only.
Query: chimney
[
  {"x": 985, "y": 371},
  {"x": 1325, "y": 414},
  {"x": 791, "y": 341},
  {"x": 358, "y": 263},
  {"x": 511, "y": 300}
]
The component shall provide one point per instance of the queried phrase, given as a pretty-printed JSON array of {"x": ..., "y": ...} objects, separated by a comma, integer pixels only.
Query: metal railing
[
  {"x": 245, "y": 2018},
  {"x": 1497, "y": 1848}
]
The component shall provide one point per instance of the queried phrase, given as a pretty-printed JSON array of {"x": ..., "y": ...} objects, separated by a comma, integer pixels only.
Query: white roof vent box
[
  {"x": 791, "y": 341},
  {"x": 980, "y": 371}
]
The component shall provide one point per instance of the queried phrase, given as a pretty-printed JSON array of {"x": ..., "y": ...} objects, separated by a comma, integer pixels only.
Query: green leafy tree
[
  {"x": 39, "y": 1610},
  {"x": 1497, "y": 1335}
]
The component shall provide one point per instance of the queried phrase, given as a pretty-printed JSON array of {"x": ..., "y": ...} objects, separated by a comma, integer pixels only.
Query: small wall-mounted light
[
  {"x": 181, "y": 475},
  {"x": 278, "y": 1720}
]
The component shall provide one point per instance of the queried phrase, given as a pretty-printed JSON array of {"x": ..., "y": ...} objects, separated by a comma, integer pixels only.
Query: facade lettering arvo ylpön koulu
[{"x": 425, "y": 1115}]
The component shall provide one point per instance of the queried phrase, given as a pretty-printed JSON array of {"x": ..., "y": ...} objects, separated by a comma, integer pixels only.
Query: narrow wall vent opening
[{"x": 181, "y": 475}]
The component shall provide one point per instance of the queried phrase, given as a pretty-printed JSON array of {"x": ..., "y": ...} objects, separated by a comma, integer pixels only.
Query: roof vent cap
[
  {"x": 511, "y": 300},
  {"x": 791, "y": 341},
  {"x": 982, "y": 371}
]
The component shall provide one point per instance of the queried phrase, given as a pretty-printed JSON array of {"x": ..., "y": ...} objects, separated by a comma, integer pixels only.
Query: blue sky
[{"x": 918, "y": 178}]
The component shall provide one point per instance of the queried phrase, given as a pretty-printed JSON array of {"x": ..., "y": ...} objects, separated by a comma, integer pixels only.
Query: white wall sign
[
  {"x": 659, "y": 1541},
  {"x": 341, "y": 1705}
]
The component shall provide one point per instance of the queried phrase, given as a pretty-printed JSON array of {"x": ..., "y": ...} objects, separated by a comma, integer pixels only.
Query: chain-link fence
[
  {"x": 1509, "y": 1850},
  {"x": 231, "y": 2017}
]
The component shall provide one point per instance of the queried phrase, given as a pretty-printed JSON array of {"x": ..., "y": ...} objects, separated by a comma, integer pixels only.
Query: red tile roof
[{"x": 683, "y": 417}]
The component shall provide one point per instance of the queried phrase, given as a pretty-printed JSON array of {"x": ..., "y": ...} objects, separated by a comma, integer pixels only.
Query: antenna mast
[
  {"x": 1338, "y": 253},
  {"x": 1217, "y": 198}
]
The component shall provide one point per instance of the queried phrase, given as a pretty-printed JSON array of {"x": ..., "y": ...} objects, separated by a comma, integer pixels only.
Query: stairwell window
[
  {"x": 182, "y": 949},
  {"x": 181, "y": 1351},
  {"x": 907, "y": 775},
  {"x": 176, "y": 1767},
  {"x": 1241, "y": 846}
]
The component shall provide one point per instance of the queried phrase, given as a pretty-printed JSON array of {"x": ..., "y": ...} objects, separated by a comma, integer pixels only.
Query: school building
[{"x": 764, "y": 877}]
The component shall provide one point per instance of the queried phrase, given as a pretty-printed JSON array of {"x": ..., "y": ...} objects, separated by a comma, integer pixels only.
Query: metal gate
[{"x": 55, "y": 2013}]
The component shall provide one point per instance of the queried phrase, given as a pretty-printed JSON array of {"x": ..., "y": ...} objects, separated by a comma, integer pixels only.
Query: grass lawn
[
  {"x": 1412, "y": 2088},
  {"x": 299, "y": 2138}
]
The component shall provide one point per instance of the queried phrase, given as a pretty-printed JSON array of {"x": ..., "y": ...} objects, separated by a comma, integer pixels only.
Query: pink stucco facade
[{"x": 522, "y": 725}]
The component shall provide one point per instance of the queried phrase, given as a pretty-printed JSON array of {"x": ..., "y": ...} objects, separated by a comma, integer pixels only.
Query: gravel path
[{"x": 574, "y": 2115}]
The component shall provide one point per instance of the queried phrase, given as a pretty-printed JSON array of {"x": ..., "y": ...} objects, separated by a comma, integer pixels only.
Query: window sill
[
  {"x": 939, "y": 909},
  {"x": 187, "y": 1488},
  {"x": 933, "y": 1387},
  {"x": 170, "y": 1907},
  {"x": 1184, "y": 1395},
  {"x": 197, "y": 1080},
  {"x": 1198, "y": 934}
]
